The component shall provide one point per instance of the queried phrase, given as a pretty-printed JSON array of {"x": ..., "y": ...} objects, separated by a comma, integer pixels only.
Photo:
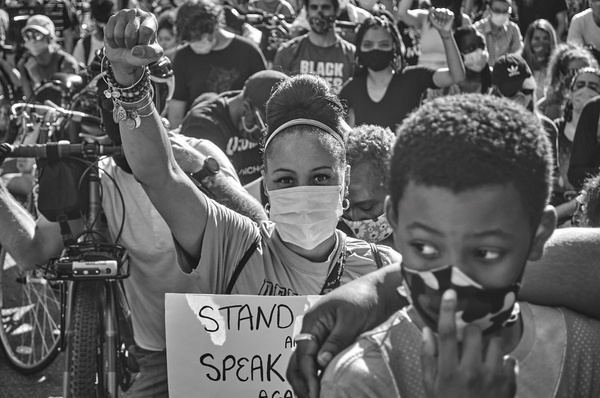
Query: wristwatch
[{"x": 209, "y": 168}]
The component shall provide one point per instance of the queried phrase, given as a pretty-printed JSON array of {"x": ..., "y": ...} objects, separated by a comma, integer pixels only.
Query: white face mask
[
  {"x": 476, "y": 60},
  {"x": 499, "y": 19},
  {"x": 582, "y": 96},
  {"x": 307, "y": 215}
]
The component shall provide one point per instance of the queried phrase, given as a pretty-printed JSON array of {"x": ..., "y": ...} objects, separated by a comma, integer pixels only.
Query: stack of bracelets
[{"x": 127, "y": 100}]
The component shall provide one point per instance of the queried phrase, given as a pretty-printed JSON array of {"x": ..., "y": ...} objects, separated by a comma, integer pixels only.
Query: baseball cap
[
  {"x": 259, "y": 86},
  {"x": 41, "y": 23},
  {"x": 511, "y": 74}
]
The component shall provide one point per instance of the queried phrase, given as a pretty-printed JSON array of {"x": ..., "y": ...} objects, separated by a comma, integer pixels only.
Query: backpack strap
[
  {"x": 241, "y": 264},
  {"x": 376, "y": 255}
]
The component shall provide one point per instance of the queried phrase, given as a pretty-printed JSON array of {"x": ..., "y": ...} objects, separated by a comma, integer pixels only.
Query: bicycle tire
[
  {"x": 30, "y": 317},
  {"x": 7, "y": 133},
  {"x": 83, "y": 346}
]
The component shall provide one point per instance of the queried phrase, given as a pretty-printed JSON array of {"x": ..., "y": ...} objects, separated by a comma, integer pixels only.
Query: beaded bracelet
[
  {"x": 132, "y": 116},
  {"x": 125, "y": 97},
  {"x": 115, "y": 91}
]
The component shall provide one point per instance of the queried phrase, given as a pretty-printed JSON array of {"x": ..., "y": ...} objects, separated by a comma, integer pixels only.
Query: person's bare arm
[
  {"x": 568, "y": 274},
  {"x": 147, "y": 148},
  {"x": 190, "y": 154},
  {"x": 30, "y": 243},
  {"x": 442, "y": 20}
]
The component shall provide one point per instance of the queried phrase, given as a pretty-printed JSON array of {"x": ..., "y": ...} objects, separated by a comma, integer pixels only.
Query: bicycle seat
[{"x": 69, "y": 81}]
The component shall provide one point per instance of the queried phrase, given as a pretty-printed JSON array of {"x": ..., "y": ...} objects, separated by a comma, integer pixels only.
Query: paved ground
[{"x": 45, "y": 384}]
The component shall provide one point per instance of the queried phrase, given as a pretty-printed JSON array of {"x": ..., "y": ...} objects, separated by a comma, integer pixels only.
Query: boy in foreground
[{"x": 470, "y": 182}]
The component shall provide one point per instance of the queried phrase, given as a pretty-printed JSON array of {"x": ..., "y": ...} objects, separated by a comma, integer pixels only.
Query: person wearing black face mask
[
  {"x": 382, "y": 92},
  {"x": 321, "y": 51},
  {"x": 234, "y": 122}
]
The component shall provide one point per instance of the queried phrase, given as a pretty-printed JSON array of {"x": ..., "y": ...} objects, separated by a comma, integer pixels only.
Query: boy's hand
[
  {"x": 464, "y": 370},
  {"x": 442, "y": 19}
]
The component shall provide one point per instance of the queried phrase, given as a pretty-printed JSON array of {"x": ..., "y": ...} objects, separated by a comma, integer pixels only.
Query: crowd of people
[{"x": 410, "y": 160}]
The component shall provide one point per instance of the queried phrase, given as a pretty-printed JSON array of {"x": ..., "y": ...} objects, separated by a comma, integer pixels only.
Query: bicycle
[{"x": 93, "y": 327}]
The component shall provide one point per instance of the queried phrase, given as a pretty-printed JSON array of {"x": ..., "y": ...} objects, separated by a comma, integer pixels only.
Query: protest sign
[{"x": 225, "y": 346}]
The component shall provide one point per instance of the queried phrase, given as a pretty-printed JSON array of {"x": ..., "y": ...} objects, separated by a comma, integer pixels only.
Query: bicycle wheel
[
  {"x": 6, "y": 97},
  {"x": 82, "y": 348},
  {"x": 30, "y": 314}
]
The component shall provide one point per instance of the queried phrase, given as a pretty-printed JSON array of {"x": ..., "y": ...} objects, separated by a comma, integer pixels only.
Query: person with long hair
[
  {"x": 584, "y": 86},
  {"x": 382, "y": 90},
  {"x": 564, "y": 63},
  {"x": 298, "y": 251},
  {"x": 539, "y": 43}
]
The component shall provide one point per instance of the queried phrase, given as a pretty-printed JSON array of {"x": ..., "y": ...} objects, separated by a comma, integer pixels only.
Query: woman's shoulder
[{"x": 361, "y": 251}]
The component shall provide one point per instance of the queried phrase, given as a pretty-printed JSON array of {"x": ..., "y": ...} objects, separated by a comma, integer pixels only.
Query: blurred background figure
[
  {"x": 584, "y": 86},
  {"x": 553, "y": 11},
  {"x": 213, "y": 60},
  {"x": 44, "y": 57},
  {"x": 566, "y": 60},
  {"x": 539, "y": 43},
  {"x": 368, "y": 153},
  {"x": 585, "y": 26},
  {"x": 166, "y": 35},
  {"x": 433, "y": 53},
  {"x": 86, "y": 47}
]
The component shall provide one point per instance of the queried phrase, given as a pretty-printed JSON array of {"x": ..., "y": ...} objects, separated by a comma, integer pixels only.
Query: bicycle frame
[{"x": 107, "y": 304}]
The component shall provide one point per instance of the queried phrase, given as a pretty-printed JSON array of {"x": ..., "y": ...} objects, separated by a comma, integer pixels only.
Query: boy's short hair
[{"x": 470, "y": 141}]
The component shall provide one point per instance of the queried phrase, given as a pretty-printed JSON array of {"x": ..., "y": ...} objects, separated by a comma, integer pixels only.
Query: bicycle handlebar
[
  {"x": 53, "y": 108},
  {"x": 63, "y": 149}
]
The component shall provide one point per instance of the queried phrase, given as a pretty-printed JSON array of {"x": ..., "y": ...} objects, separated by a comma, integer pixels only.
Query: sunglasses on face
[{"x": 33, "y": 35}]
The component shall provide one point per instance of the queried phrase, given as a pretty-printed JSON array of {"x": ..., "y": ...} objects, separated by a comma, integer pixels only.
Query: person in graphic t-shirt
[
  {"x": 321, "y": 51},
  {"x": 381, "y": 91},
  {"x": 234, "y": 121},
  {"x": 214, "y": 60}
]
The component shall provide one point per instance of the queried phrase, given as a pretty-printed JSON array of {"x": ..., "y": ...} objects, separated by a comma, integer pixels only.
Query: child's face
[
  {"x": 166, "y": 39},
  {"x": 473, "y": 242},
  {"x": 485, "y": 232}
]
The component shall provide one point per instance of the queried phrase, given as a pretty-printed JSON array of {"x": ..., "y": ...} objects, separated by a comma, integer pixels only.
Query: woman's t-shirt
[
  {"x": 273, "y": 269},
  {"x": 402, "y": 96}
]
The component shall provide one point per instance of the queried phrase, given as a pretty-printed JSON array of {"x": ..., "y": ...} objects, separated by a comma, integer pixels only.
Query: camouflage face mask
[{"x": 490, "y": 309}]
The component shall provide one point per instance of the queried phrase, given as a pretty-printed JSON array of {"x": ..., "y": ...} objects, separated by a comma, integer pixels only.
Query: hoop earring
[
  {"x": 345, "y": 204},
  {"x": 268, "y": 207}
]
